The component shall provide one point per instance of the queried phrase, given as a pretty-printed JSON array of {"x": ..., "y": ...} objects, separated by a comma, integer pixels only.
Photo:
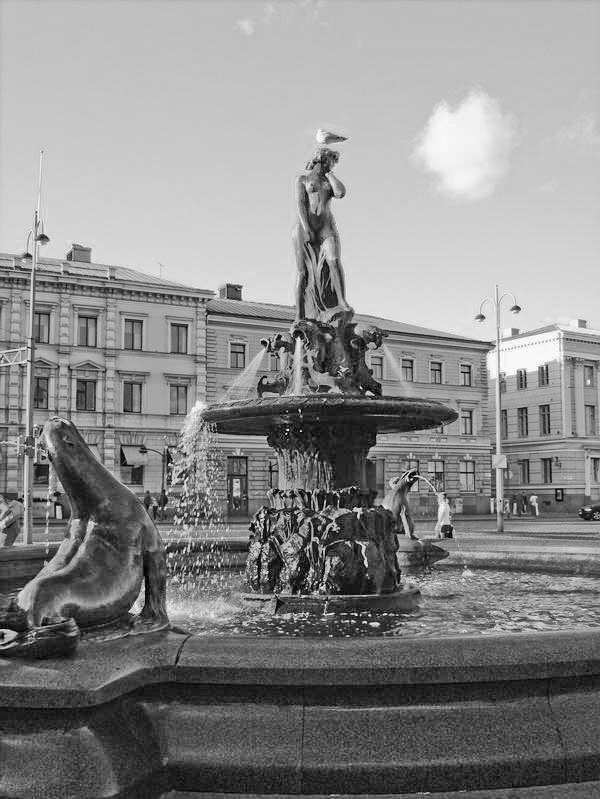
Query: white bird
[{"x": 328, "y": 137}]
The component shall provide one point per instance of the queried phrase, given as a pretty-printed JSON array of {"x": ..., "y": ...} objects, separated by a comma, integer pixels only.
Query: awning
[
  {"x": 131, "y": 456},
  {"x": 95, "y": 451}
]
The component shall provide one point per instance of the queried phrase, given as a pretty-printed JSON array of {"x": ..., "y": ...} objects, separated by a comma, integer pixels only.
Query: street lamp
[
  {"x": 36, "y": 237},
  {"x": 499, "y": 464},
  {"x": 143, "y": 450}
]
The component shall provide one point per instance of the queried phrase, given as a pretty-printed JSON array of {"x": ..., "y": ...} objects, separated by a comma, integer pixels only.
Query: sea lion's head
[
  {"x": 67, "y": 451},
  {"x": 407, "y": 479}
]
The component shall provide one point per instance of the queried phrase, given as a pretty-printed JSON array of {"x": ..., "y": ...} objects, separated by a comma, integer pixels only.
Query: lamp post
[
  {"x": 496, "y": 303},
  {"x": 37, "y": 237},
  {"x": 164, "y": 457}
]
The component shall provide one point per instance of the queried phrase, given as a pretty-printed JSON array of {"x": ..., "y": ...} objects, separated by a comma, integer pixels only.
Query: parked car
[{"x": 589, "y": 512}]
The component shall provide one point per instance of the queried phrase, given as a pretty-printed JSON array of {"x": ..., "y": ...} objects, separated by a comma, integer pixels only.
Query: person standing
[
  {"x": 523, "y": 505},
  {"x": 533, "y": 501},
  {"x": 147, "y": 500},
  {"x": 163, "y": 500},
  {"x": 443, "y": 527},
  {"x": 154, "y": 508},
  {"x": 11, "y": 514}
]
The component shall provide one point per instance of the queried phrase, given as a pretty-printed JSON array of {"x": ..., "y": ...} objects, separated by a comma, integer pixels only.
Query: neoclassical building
[
  {"x": 549, "y": 400},
  {"x": 125, "y": 355},
  {"x": 121, "y": 353},
  {"x": 416, "y": 361}
]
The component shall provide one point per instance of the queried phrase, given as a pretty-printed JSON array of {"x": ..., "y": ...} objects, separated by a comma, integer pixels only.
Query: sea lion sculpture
[
  {"x": 110, "y": 546},
  {"x": 396, "y": 501}
]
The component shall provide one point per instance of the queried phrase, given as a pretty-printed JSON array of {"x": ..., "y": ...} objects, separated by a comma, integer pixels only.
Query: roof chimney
[
  {"x": 230, "y": 291},
  {"x": 578, "y": 323},
  {"x": 80, "y": 253}
]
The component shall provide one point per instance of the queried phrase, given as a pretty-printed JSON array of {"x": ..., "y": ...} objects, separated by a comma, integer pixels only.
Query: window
[
  {"x": 85, "y": 399},
  {"x": 590, "y": 420},
  {"x": 588, "y": 375},
  {"x": 380, "y": 475},
  {"x": 596, "y": 470},
  {"x": 41, "y": 474},
  {"x": 41, "y": 328},
  {"x": 504, "y": 423},
  {"x": 466, "y": 375},
  {"x": 132, "y": 475},
  {"x": 543, "y": 376},
  {"x": 502, "y": 383},
  {"x": 411, "y": 463},
  {"x": 179, "y": 339},
  {"x": 86, "y": 331},
  {"x": 133, "y": 334},
  {"x": 237, "y": 355},
  {"x": 524, "y": 472},
  {"x": 435, "y": 372},
  {"x": 273, "y": 473},
  {"x": 377, "y": 366},
  {"x": 132, "y": 397},
  {"x": 521, "y": 378},
  {"x": 178, "y": 400},
  {"x": 40, "y": 393},
  {"x": 274, "y": 362},
  {"x": 237, "y": 486},
  {"x": 466, "y": 476},
  {"x": 466, "y": 422},
  {"x": 522, "y": 422},
  {"x": 407, "y": 370},
  {"x": 544, "y": 420},
  {"x": 437, "y": 474},
  {"x": 546, "y": 470}
]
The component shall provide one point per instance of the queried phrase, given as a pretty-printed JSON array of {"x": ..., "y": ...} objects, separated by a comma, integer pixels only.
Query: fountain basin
[
  {"x": 404, "y": 600},
  {"x": 166, "y": 712},
  {"x": 385, "y": 414}
]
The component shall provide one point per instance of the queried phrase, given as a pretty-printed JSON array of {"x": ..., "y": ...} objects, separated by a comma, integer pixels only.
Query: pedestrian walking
[
  {"x": 533, "y": 501},
  {"x": 523, "y": 504},
  {"x": 163, "y": 501},
  {"x": 147, "y": 500},
  {"x": 514, "y": 504},
  {"x": 507, "y": 508},
  {"x": 154, "y": 502},
  {"x": 443, "y": 527}
]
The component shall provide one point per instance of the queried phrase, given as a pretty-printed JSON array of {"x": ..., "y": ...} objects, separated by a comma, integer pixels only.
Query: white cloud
[
  {"x": 247, "y": 26},
  {"x": 269, "y": 12},
  {"x": 468, "y": 149},
  {"x": 582, "y": 133}
]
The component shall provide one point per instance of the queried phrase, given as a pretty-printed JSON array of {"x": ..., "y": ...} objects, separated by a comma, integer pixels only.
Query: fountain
[
  {"x": 170, "y": 714},
  {"x": 321, "y": 543}
]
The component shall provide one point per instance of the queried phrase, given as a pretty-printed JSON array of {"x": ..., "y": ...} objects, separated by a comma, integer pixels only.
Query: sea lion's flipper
[
  {"x": 11, "y": 615},
  {"x": 51, "y": 640},
  {"x": 154, "y": 613}
]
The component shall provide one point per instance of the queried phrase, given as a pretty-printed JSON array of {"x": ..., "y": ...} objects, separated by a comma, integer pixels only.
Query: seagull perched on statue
[{"x": 328, "y": 137}]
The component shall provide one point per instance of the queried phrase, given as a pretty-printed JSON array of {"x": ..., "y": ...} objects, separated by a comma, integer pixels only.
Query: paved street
[{"x": 557, "y": 529}]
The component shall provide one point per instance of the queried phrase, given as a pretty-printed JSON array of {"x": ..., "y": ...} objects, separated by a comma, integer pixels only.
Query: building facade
[
  {"x": 415, "y": 362},
  {"x": 120, "y": 353},
  {"x": 549, "y": 400},
  {"x": 125, "y": 355}
]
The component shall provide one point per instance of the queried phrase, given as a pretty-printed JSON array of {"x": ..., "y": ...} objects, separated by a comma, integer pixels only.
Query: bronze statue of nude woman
[{"x": 320, "y": 290}]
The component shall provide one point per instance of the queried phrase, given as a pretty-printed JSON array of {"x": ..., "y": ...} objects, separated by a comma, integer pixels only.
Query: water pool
[{"x": 453, "y": 602}]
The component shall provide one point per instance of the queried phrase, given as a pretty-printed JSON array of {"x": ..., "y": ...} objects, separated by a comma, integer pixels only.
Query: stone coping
[{"x": 100, "y": 672}]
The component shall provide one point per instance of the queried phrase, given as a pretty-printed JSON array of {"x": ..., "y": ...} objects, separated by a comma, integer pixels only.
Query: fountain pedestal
[{"x": 316, "y": 455}]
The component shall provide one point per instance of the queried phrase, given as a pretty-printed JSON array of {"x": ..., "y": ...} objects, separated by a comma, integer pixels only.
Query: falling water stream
[
  {"x": 244, "y": 385},
  {"x": 295, "y": 386}
]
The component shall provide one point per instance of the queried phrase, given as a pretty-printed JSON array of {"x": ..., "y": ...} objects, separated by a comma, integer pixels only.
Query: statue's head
[{"x": 325, "y": 157}]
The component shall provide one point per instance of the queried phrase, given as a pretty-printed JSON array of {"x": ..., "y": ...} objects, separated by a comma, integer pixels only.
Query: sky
[{"x": 173, "y": 133}]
